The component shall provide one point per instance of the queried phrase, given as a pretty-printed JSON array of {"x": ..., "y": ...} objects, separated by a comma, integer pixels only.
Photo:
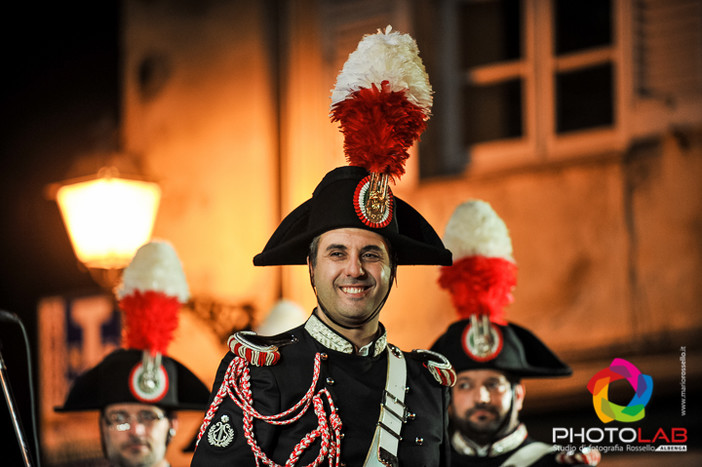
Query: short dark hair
[
  {"x": 314, "y": 248},
  {"x": 512, "y": 378}
]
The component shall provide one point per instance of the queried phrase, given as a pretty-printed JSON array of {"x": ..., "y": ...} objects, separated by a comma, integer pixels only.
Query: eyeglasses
[
  {"x": 122, "y": 421},
  {"x": 493, "y": 386}
]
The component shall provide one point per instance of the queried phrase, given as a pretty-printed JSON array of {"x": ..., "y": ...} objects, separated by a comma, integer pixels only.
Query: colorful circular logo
[{"x": 599, "y": 388}]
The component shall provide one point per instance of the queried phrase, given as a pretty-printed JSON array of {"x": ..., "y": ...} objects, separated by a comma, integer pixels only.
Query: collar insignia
[{"x": 334, "y": 341}]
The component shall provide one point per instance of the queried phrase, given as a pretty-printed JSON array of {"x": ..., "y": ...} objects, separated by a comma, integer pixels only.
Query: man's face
[
  {"x": 352, "y": 274},
  {"x": 135, "y": 434},
  {"x": 481, "y": 400}
]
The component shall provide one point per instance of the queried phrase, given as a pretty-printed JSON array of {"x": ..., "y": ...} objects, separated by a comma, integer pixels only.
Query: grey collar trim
[
  {"x": 509, "y": 443},
  {"x": 335, "y": 341}
]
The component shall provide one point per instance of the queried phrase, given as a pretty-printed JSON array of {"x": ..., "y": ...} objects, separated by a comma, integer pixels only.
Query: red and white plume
[
  {"x": 152, "y": 291},
  {"x": 484, "y": 272},
  {"x": 382, "y": 101}
]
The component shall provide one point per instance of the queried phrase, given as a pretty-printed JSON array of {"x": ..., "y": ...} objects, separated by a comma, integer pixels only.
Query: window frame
[{"x": 537, "y": 69}]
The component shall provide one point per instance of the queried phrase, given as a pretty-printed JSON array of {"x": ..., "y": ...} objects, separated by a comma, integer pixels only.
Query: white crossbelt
[{"x": 386, "y": 439}]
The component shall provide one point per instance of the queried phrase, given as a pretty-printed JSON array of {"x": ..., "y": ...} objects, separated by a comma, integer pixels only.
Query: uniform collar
[
  {"x": 509, "y": 443},
  {"x": 335, "y": 341}
]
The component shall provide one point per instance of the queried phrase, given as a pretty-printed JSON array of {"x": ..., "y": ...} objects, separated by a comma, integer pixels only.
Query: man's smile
[{"x": 353, "y": 289}]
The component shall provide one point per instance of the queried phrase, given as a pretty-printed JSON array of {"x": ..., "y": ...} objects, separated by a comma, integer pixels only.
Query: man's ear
[
  {"x": 310, "y": 269},
  {"x": 172, "y": 428},
  {"x": 174, "y": 421},
  {"x": 102, "y": 438},
  {"x": 519, "y": 394}
]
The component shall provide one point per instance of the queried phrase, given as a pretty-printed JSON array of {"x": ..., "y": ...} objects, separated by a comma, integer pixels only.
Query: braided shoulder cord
[{"x": 236, "y": 384}]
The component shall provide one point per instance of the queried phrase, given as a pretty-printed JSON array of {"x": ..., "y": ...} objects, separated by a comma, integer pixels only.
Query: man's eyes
[
  {"x": 489, "y": 385},
  {"x": 148, "y": 416},
  {"x": 465, "y": 384},
  {"x": 144, "y": 416},
  {"x": 118, "y": 417},
  {"x": 367, "y": 256}
]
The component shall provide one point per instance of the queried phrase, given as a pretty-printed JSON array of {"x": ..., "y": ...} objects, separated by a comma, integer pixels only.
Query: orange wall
[{"x": 607, "y": 245}]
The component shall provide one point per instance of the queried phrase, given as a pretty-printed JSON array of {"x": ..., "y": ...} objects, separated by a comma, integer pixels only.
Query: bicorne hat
[
  {"x": 517, "y": 352},
  {"x": 332, "y": 206},
  {"x": 109, "y": 383},
  {"x": 151, "y": 294},
  {"x": 382, "y": 100},
  {"x": 480, "y": 282}
]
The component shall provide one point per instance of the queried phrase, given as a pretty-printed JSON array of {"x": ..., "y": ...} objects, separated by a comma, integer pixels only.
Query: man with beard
[
  {"x": 138, "y": 389},
  {"x": 489, "y": 354},
  {"x": 481, "y": 405}
]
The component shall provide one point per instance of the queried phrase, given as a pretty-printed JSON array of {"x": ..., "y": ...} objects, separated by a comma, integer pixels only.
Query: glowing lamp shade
[{"x": 108, "y": 219}]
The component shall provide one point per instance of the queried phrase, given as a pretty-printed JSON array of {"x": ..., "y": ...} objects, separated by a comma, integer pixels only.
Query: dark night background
[{"x": 59, "y": 101}]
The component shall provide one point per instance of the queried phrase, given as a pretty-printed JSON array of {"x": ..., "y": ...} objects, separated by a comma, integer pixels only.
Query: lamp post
[{"x": 108, "y": 217}]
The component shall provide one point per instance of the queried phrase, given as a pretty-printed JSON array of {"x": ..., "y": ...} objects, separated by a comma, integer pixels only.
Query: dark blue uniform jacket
[{"x": 356, "y": 384}]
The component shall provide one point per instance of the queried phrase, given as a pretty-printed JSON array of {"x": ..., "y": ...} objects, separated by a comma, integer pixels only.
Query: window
[{"x": 516, "y": 81}]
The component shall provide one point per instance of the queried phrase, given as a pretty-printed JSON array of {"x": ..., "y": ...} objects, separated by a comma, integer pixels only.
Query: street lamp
[{"x": 108, "y": 217}]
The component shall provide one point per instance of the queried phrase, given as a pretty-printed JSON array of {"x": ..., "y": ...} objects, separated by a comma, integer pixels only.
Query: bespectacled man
[{"x": 137, "y": 434}]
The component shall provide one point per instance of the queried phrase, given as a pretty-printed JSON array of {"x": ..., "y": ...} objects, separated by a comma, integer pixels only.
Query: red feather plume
[
  {"x": 480, "y": 286},
  {"x": 379, "y": 126},
  {"x": 149, "y": 320}
]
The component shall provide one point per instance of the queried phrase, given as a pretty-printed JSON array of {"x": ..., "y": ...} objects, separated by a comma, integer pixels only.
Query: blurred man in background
[
  {"x": 138, "y": 389},
  {"x": 490, "y": 354}
]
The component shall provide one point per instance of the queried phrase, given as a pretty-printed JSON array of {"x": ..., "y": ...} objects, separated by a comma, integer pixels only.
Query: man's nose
[
  {"x": 483, "y": 394},
  {"x": 137, "y": 428},
  {"x": 354, "y": 268}
]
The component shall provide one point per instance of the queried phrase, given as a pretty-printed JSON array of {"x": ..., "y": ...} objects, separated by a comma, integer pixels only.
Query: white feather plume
[
  {"x": 475, "y": 229},
  {"x": 385, "y": 56},
  {"x": 155, "y": 267},
  {"x": 284, "y": 315}
]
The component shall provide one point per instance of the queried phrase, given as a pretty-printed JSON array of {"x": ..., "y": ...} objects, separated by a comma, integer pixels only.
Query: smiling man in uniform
[{"x": 334, "y": 391}]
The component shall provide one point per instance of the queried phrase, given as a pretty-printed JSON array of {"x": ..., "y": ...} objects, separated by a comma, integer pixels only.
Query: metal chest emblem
[{"x": 221, "y": 434}]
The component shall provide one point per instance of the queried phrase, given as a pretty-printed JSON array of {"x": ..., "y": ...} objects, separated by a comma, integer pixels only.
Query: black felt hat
[
  {"x": 519, "y": 352},
  {"x": 332, "y": 206},
  {"x": 108, "y": 383}
]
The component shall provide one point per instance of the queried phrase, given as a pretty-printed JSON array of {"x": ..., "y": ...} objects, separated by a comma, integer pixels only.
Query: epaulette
[
  {"x": 438, "y": 365},
  {"x": 259, "y": 350}
]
